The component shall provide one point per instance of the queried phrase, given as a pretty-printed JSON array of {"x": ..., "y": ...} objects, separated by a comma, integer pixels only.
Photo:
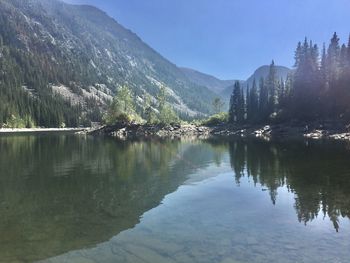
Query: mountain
[
  {"x": 262, "y": 72},
  {"x": 65, "y": 62},
  {"x": 214, "y": 84},
  {"x": 224, "y": 88}
]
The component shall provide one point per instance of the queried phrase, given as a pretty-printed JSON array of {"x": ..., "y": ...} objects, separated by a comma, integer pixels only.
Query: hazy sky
[{"x": 229, "y": 38}]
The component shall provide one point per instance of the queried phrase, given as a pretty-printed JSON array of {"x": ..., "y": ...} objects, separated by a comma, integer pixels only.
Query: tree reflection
[
  {"x": 318, "y": 173},
  {"x": 61, "y": 193}
]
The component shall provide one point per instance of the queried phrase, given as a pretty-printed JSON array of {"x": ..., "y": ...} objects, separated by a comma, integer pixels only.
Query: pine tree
[
  {"x": 248, "y": 104},
  {"x": 314, "y": 57},
  {"x": 252, "y": 103},
  {"x": 348, "y": 47},
  {"x": 306, "y": 82},
  {"x": 323, "y": 68},
  {"x": 280, "y": 92},
  {"x": 333, "y": 58},
  {"x": 235, "y": 101},
  {"x": 263, "y": 100},
  {"x": 298, "y": 55},
  {"x": 241, "y": 107}
]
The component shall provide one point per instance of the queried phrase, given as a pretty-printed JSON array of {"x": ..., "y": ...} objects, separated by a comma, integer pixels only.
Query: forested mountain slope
[{"x": 62, "y": 63}]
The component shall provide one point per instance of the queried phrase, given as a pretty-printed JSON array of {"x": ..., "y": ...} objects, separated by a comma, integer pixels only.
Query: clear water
[{"x": 65, "y": 198}]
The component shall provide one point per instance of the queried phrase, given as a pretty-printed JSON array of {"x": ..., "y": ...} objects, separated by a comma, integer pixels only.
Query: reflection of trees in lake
[
  {"x": 317, "y": 173},
  {"x": 60, "y": 193}
]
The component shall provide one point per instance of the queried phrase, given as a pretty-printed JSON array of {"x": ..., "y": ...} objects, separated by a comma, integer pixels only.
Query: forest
[
  {"x": 25, "y": 98},
  {"x": 318, "y": 89}
]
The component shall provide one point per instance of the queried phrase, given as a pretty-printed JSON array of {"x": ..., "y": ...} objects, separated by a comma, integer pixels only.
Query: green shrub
[
  {"x": 16, "y": 122},
  {"x": 123, "y": 117},
  {"x": 216, "y": 119},
  {"x": 168, "y": 116}
]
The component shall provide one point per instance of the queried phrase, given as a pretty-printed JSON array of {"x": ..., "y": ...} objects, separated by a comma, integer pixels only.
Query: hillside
[
  {"x": 214, "y": 84},
  {"x": 62, "y": 63},
  {"x": 262, "y": 72}
]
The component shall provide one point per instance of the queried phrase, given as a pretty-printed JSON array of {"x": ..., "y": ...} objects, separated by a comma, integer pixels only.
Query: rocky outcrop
[
  {"x": 132, "y": 130},
  {"x": 327, "y": 130}
]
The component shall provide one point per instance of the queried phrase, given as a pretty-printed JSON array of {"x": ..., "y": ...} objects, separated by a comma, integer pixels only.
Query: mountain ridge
[
  {"x": 65, "y": 63},
  {"x": 204, "y": 79},
  {"x": 83, "y": 55}
]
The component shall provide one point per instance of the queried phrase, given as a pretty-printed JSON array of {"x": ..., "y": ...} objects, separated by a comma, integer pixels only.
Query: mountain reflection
[
  {"x": 64, "y": 193},
  {"x": 318, "y": 173},
  {"x": 61, "y": 193}
]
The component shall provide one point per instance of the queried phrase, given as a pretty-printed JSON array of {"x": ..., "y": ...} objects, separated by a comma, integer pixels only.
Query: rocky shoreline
[
  {"x": 44, "y": 130},
  {"x": 131, "y": 131},
  {"x": 124, "y": 131}
]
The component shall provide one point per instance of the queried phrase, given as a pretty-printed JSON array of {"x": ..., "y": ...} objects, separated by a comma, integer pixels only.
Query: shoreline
[
  {"x": 36, "y": 130},
  {"x": 125, "y": 131}
]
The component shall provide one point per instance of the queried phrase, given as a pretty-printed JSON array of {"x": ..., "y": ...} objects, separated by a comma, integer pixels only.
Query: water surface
[{"x": 65, "y": 198}]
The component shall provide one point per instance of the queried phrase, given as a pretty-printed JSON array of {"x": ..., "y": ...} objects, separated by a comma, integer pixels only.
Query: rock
[{"x": 125, "y": 131}]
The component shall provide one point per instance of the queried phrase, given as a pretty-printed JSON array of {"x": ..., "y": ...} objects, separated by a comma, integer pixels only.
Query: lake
[{"x": 68, "y": 198}]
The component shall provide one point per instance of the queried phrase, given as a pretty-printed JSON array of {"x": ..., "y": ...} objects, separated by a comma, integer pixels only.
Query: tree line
[{"x": 318, "y": 89}]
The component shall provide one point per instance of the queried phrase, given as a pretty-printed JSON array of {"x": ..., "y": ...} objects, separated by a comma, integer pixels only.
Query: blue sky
[{"x": 229, "y": 38}]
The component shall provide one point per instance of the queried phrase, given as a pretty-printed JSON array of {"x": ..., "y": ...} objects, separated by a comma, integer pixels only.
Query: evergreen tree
[
  {"x": 241, "y": 107},
  {"x": 306, "y": 82},
  {"x": 263, "y": 101},
  {"x": 343, "y": 59},
  {"x": 271, "y": 89},
  {"x": 235, "y": 110},
  {"x": 348, "y": 47},
  {"x": 333, "y": 57},
  {"x": 323, "y": 69},
  {"x": 248, "y": 104},
  {"x": 298, "y": 55},
  {"x": 252, "y": 103}
]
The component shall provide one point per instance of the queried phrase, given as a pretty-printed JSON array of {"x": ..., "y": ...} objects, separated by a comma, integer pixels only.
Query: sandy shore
[{"x": 29, "y": 130}]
